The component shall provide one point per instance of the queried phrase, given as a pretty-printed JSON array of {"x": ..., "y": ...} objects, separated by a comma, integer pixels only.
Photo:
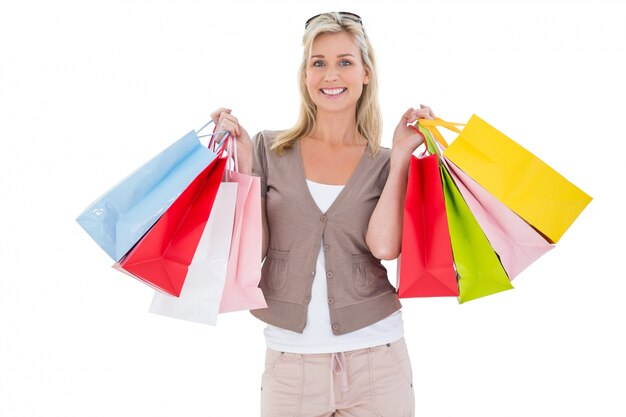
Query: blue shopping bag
[{"x": 121, "y": 216}]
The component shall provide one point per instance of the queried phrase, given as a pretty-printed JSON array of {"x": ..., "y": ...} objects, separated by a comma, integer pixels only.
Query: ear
[{"x": 366, "y": 77}]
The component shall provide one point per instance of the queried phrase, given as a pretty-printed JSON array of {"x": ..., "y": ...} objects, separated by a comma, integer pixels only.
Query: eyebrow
[{"x": 338, "y": 56}]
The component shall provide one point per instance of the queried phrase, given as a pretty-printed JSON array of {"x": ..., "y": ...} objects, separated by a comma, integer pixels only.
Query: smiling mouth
[{"x": 332, "y": 91}]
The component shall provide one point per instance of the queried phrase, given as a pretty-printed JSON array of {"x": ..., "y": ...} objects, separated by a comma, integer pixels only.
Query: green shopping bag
[{"x": 479, "y": 270}]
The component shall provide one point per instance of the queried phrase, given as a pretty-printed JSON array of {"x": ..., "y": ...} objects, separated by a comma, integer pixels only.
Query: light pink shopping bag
[
  {"x": 517, "y": 244},
  {"x": 241, "y": 290}
]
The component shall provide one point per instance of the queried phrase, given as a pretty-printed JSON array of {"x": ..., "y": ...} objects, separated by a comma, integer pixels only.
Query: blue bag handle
[{"x": 212, "y": 143}]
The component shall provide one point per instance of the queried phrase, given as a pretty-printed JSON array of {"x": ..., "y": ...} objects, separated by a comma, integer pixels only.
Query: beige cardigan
[{"x": 359, "y": 292}]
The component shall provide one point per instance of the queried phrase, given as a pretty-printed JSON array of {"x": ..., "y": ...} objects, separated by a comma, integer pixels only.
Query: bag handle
[
  {"x": 213, "y": 144},
  {"x": 205, "y": 125},
  {"x": 431, "y": 126},
  {"x": 232, "y": 165},
  {"x": 418, "y": 129},
  {"x": 431, "y": 144},
  {"x": 440, "y": 122}
]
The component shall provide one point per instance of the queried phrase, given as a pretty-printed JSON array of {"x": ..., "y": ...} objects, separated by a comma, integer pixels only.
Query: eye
[
  {"x": 345, "y": 63},
  {"x": 318, "y": 63}
]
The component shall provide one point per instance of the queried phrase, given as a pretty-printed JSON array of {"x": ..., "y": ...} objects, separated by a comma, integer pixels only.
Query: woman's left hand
[{"x": 405, "y": 139}]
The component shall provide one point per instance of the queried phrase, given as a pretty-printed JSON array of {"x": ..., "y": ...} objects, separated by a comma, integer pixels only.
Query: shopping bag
[
  {"x": 517, "y": 244},
  {"x": 479, "y": 270},
  {"x": 200, "y": 296},
  {"x": 162, "y": 257},
  {"x": 241, "y": 289},
  {"x": 516, "y": 177},
  {"x": 426, "y": 267},
  {"x": 122, "y": 215}
]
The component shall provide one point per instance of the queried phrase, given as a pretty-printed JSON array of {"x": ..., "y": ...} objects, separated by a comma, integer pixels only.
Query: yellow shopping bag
[{"x": 516, "y": 177}]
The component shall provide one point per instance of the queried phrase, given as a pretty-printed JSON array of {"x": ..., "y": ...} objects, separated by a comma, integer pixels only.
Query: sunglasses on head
[{"x": 354, "y": 17}]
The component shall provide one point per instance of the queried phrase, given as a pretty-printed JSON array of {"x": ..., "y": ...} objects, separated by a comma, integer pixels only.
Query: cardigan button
[
  {"x": 335, "y": 326},
  {"x": 326, "y": 248},
  {"x": 323, "y": 218},
  {"x": 329, "y": 274},
  {"x": 331, "y": 300}
]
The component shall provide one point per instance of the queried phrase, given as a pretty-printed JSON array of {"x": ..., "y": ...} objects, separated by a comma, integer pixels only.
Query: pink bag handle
[{"x": 233, "y": 162}]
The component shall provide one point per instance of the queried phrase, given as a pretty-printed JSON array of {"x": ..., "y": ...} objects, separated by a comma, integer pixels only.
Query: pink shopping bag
[
  {"x": 516, "y": 242},
  {"x": 241, "y": 290}
]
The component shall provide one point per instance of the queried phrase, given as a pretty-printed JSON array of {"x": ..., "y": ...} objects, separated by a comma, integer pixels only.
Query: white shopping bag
[{"x": 201, "y": 295}]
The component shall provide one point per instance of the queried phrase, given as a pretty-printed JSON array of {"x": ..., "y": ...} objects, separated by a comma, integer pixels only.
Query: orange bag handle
[{"x": 431, "y": 126}]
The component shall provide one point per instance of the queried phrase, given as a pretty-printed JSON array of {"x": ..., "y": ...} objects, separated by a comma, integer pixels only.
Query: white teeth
[{"x": 333, "y": 91}]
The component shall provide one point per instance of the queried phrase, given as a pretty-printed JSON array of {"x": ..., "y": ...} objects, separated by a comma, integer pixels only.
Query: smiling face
[{"x": 335, "y": 73}]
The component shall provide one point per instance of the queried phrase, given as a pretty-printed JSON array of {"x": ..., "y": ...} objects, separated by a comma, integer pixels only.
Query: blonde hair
[{"x": 368, "y": 116}]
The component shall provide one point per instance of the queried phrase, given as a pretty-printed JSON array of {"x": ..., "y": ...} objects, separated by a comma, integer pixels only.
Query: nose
[{"x": 331, "y": 75}]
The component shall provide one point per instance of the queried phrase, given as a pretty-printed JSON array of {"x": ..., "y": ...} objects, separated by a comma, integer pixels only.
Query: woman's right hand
[{"x": 224, "y": 120}]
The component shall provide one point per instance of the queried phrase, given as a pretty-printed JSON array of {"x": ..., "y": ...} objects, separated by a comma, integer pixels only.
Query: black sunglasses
[{"x": 347, "y": 15}]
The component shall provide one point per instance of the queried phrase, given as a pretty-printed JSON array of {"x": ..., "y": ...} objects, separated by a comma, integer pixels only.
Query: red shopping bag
[
  {"x": 163, "y": 255},
  {"x": 426, "y": 266},
  {"x": 200, "y": 298}
]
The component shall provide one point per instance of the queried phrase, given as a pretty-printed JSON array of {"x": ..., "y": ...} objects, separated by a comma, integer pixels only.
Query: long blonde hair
[{"x": 368, "y": 116}]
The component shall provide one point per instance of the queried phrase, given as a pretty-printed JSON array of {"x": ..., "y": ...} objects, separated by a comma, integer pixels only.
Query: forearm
[
  {"x": 245, "y": 164},
  {"x": 384, "y": 232}
]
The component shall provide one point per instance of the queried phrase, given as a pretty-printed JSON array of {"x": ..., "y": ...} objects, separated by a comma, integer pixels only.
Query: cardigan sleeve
[
  {"x": 384, "y": 153},
  {"x": 259, "y": 166}
]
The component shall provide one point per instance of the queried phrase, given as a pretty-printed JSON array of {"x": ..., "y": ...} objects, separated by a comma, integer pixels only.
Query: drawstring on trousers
[{"x": 338, "y": 367}]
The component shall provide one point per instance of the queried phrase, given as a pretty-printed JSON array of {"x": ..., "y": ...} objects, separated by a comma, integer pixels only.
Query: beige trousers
[{"x": 375, "y": 381}]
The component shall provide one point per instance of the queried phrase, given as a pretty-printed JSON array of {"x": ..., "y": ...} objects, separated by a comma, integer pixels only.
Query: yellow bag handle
[{"x": 431, "y": 125}]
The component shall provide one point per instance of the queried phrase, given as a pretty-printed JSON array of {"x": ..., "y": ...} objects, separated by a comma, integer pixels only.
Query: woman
[{"x": 332, "y": 208}]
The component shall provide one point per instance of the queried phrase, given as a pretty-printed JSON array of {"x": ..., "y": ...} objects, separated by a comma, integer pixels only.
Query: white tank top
[{"x": 318, "y": 336}]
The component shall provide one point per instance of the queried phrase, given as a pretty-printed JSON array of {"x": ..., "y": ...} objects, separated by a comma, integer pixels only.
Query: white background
[{"x": 91, "y": 90}]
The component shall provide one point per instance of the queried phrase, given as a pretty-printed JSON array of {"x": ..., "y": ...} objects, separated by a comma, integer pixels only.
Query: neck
[{"x": 337, "y": 128}]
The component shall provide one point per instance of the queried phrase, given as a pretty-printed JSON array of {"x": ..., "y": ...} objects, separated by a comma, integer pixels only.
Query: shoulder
[
  {"x": 382, "y": 157},
  {"x": 266, "y": 137},
  {"x": 380, "y": 165},
  {"x": 263, "y": 155},
  {"x": 265, "y": 141},
  {"x": 384, "y": 153}
]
